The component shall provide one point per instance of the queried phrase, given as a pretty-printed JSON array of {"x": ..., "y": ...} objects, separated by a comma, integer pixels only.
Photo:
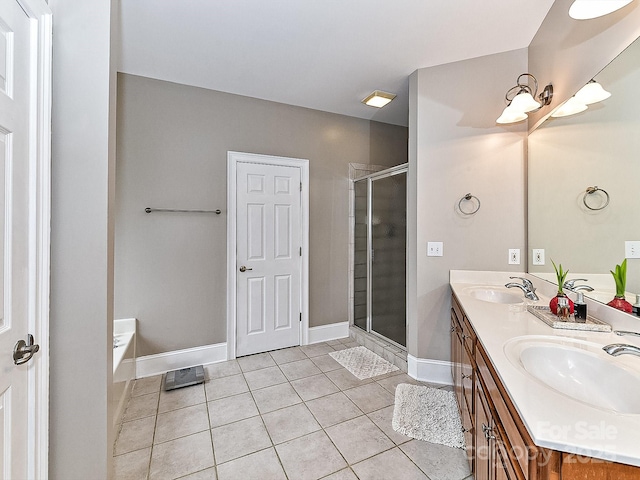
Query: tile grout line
[
  {"x": 302, "y": 402},
  {"x": 213, "y": 450}
]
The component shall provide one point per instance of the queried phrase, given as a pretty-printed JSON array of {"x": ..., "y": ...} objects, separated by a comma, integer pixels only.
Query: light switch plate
[
  {"x": 538, "y": 256},
  {"x": 514, "y": 256},
  {"x": 434, "y": 249},
  {"x": 632, "y": 249}
]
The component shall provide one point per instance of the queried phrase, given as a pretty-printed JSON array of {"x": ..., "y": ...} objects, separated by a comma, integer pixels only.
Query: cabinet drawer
[
  {"x": 519, "y": 446},
  {"x": 457, "y": 309},
  {"x": 467, "y": 379},
  {"x": 468, "y": 337},
  {"x": 467, "y": 334}
]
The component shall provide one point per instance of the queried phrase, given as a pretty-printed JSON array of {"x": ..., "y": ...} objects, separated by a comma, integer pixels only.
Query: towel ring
[
  {"x": 467, "y": 198},
  {"x": 591, "y": 191}
]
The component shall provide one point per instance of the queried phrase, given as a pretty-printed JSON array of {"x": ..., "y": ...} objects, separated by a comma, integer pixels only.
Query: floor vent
[{"x": 184, "y": 377}]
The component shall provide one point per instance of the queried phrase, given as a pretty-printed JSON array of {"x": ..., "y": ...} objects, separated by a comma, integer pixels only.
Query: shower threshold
[{"x": 380, "y": 346}]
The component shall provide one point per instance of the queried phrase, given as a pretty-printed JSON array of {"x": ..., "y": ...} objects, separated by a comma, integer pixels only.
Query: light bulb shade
[
  {"x": 587, "y": 9},
  {"x": 570, "y": 107},
  {"x": 592, "y": 92},
  {"x": 524, "y": 102},
  {"x": 510, "y": 115}
]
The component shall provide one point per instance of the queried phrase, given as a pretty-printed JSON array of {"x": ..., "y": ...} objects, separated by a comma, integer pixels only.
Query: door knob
[
  {"x": 23, "y": 351},
  {"x": 244, "y": 269}
]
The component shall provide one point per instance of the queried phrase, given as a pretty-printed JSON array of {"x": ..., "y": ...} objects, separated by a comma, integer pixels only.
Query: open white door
[
  {"x": 25, "y": 32},
  {"x": 269, "y": 258}
]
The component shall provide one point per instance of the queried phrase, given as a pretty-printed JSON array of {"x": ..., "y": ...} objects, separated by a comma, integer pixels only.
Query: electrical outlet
[
  {"x": 434, "y": 249},
  {"x": 514, "y": 256},
  {"x": 538, "y": 256},
  {"x": 632, "y": 249}
]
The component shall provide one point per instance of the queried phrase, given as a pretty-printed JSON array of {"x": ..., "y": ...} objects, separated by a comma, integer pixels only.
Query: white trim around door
[
  {"x": 40, "y": 179},
  {"x": 233, "y": 158}
]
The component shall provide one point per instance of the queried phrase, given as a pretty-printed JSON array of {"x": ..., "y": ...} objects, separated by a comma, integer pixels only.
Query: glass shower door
[{"x": 388, "y": 256}]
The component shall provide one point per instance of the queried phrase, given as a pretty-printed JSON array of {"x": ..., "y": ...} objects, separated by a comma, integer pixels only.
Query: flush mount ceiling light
[
  {"x": 521, "y": 100},
  {"x": 588, "y": 9},
  {"x": 570, "y": 107},
  {"x": 592, "y": 92},
  {"x": 378, "y": 99}
]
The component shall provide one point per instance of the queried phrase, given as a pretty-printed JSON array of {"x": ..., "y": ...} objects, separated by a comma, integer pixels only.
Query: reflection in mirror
[{"x": 599, "y": 147}]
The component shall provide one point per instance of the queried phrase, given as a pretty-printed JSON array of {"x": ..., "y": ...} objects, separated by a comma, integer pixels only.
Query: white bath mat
[
  {"x": 429, "y": 414},
  {"x": 362, "y": 362}
]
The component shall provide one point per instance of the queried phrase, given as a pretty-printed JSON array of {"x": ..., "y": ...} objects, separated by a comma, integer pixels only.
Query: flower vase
[
  {"x": 553, "y": 304},
  {"x": 621, "y": 303}
]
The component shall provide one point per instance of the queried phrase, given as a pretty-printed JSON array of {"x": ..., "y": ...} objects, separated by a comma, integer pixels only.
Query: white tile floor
[{"x": 291, "y": 414}]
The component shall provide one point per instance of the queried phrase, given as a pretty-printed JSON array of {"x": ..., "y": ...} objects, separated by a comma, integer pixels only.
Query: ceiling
[{"x": 322, "y": 54}]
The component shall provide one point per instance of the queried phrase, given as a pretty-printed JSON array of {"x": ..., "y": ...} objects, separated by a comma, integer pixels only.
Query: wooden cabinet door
[
  {"x": 503, "y": 469},
  {"x": 456, "y": 359},
  {"x": 483, "y": 445}
]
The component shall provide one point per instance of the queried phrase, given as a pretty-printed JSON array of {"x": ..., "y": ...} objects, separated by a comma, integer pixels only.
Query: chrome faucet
[
  {"x": 617, "y": 349},
  {"x": 526, "y": 286},
  {"x": 571, "y": 285},
  {"x": 625, "y": 332}
]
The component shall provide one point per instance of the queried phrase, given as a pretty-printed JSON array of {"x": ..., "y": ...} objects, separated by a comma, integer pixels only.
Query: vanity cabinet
[
  {"x": 489, "y": 447},
  {"x": 463, "y": 368},
  {"x": 499, "y": 446}
]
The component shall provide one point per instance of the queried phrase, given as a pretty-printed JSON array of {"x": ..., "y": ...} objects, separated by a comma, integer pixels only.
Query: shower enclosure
[{"x": 380, "y": 236}]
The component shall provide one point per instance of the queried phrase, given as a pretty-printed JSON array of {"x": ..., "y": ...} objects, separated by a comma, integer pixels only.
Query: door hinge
[
  {"x": 300, "y": 316},
  {"x": 300, "y": 186},
  {"x": 300, "y": 251}
]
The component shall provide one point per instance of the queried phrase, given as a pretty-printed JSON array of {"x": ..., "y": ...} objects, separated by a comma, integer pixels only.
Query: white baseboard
[
  {"x": 324, "y": 333},
  {"x": 150, "y": 365},
  {"x": 430, "y": 371}
]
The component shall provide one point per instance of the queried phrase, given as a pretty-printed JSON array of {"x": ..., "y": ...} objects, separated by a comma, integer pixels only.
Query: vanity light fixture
[
  {"x": 570, "y": 107},
  {"x": 521, "y": 100},
  {"x": 592, "y": 92},
  {"x": 588, "y": 9},
  {"x": 378, "y": 99}
]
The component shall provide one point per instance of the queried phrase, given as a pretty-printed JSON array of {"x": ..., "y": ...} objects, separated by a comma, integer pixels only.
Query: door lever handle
[
  {"x": 244, "y": 269},
  {"x": 23, "y": 351}
]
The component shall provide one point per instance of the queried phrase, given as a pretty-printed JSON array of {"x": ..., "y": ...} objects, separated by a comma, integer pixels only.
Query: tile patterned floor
[{"x": 291, "y": 414}]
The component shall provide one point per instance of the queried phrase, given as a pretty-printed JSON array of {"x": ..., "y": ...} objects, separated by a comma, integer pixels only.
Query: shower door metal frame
[{"x": 400, "y": 169}]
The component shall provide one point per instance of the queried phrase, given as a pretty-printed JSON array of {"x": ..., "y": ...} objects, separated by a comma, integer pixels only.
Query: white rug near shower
[
  {"x": 429, "y": 414},
  {"x": 362, "y": 362}
]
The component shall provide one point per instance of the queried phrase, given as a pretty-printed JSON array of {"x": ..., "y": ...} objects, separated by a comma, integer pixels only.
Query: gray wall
[
  {"x": 172, "y": 152},
  {"x": 568, "y": 52},
  {"x": 81, "y": 315},
  {"x": 456, "y": 147}
]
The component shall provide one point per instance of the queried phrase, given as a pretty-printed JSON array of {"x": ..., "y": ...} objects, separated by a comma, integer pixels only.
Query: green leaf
[
  {"x": 561, "y": 275},
  {"x": 620, "y": 277}
]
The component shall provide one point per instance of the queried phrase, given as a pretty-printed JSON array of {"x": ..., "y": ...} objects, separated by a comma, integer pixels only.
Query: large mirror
[{"x": 599, "y": 147}]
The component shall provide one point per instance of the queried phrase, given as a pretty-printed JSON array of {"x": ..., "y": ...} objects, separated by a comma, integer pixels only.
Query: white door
[
  {"x": 268, "y": 257},
  {"x": 20, "y": 131}
]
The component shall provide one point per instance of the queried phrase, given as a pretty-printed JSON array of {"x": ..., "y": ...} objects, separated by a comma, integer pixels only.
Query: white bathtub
[{"x": 124, "y": 365}]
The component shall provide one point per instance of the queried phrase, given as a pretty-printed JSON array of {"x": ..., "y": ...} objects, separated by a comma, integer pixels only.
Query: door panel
[
  {"x": 15, "y": 250},
  {"x": 269, "y": 239},
  {"x": 388, "y": 264}
]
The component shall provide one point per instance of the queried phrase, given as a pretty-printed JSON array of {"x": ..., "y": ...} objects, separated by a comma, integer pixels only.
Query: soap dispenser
[
  {"x": 636, "y": 306},
  {"x": 580, "y": 308}
]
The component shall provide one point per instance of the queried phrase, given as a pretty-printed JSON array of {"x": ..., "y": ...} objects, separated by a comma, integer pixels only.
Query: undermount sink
[
  {"x": 579, "y": 370},
  {"x": 493, "y": 295}
]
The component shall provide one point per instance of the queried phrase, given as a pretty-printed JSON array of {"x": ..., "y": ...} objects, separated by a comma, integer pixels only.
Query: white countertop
[{"x": 553, "y": 420}]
